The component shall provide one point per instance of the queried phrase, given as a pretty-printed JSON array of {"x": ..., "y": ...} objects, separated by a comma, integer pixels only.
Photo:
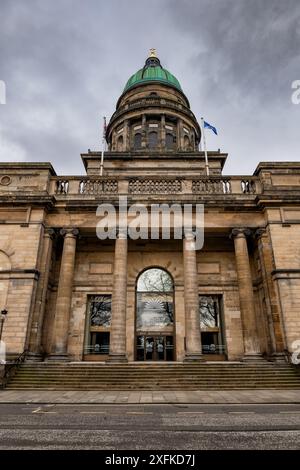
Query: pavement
[
  {"x": 150, "y": 420},
  {"x": 151, "y": 397},
  {"x": 27, "y": 426}
]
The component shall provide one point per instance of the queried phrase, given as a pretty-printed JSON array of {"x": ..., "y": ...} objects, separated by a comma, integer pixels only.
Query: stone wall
[
  {"x": 286, "y": 250},
  {"x": 19, "y": 249}
]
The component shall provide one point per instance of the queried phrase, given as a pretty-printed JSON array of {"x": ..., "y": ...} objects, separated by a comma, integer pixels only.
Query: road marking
[
  {"x": 190, "y": 412},
  {"x": 84, "y": 405},
  {"x": 139, "y": 413},
  {"x": 37, "y": 410},
  {"x": 241, "y": 412},
  {"x": 289, "y": 412},
  {"x": 93, "y": 412}
]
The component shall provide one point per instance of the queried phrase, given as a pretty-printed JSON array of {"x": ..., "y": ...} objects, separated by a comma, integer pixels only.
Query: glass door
[
  {"x": 154, "y": 348},
  {"x": 149, "y": 348},
  {"x": 160, "y": 348}
]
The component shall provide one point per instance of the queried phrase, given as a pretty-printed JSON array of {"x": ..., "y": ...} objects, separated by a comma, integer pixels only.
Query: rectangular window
[
  {"x": 100, "y": 310},
  {"x": 209, "y": 312},
  {"x": 211, "y": 324},
  {"x": 98, "y": 325}
]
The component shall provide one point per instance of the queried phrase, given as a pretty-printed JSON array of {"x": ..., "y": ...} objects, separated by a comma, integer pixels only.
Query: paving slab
[{"x": 149, "y": 396}]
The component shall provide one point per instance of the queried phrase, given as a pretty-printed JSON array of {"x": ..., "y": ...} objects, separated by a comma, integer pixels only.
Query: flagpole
[
  {"x": 103, "y": 146},
  {"x": 205, "y": 151}
]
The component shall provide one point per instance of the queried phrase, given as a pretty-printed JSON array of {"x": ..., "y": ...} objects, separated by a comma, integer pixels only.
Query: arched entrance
[{"x": 154, "y": 319}]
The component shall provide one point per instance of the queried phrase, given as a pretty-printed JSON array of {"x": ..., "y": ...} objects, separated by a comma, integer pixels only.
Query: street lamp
[{"x": 3, "y": 316}]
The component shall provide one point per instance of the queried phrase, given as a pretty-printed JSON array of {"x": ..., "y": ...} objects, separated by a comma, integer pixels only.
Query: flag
[{"x": 209, "y": 126}]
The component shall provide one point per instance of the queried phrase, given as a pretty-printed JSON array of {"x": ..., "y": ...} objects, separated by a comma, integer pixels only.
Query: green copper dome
[{"x": 152, "y": 72}]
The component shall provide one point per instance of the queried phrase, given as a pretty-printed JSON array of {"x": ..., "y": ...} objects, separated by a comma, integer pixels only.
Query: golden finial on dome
[{"x": 152, "y": 52}]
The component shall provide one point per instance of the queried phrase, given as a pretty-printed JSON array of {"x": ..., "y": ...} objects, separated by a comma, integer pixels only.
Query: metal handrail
[{"x": 12, "y": 367}]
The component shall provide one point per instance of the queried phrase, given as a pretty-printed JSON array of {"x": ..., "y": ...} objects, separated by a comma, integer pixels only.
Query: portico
[{"x": 104, "y": 306}]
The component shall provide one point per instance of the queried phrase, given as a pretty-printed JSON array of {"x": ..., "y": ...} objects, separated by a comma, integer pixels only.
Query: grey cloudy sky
[{"x": 65, "y": 63}]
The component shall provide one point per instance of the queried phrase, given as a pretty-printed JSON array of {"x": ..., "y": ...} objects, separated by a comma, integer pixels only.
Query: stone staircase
[{"x": 154, "y": 376}]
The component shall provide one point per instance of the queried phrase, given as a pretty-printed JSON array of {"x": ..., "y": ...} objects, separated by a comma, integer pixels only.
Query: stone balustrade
[
  {"x": 98, "y": 186},
  {"x": 154, "y": 186},
  {"x": 212, "y": 186},
  {"x": 95, "y": 186}
]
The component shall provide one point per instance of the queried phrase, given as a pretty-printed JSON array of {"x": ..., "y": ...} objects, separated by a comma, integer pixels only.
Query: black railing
[{"x": 11, "y": 367}]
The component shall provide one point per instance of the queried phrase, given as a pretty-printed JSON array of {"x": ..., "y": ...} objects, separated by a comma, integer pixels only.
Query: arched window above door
[{"x": 155, "y": 280}]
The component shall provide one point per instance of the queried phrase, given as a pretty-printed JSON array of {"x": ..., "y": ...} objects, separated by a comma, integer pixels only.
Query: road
[{"x": 128, "y": 427}]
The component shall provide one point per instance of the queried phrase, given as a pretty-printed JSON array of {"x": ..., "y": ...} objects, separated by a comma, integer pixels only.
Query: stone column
[
  {"x": 113, "y": 141},
  {"x": 251, "y": 341},
  {"x": 272, "y": 304},
  {"x": 191, "y": 301},
  {"x": 35, "y": 338},
  {"x": 126, "y": 136},
  {"x": 144, "y": 131},
  {"x": 117, "y": 343},
  {"x": 162, "y": 132},
  {"x": 180, "y": 135},
  {"x": 64, "y": 295}
]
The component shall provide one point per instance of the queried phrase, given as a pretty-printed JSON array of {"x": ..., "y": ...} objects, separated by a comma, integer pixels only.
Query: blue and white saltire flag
[{"x": 209, "y": 126}]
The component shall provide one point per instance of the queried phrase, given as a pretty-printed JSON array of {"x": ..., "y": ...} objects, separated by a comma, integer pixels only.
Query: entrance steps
[{"x": 154, "y": 376}]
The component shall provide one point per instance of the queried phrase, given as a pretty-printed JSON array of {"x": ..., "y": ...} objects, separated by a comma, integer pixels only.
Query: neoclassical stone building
[{"x": 72, "y": 296}]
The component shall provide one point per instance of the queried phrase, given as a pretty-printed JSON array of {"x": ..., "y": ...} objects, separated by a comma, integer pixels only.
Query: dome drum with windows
[{"x": 153, "y": 114}]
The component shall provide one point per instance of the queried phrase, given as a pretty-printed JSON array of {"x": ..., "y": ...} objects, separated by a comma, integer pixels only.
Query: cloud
[{"x": 65, "y": 64}]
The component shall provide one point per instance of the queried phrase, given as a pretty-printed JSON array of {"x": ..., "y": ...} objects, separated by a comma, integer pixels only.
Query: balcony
[{"x": 203, "y": 185}]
